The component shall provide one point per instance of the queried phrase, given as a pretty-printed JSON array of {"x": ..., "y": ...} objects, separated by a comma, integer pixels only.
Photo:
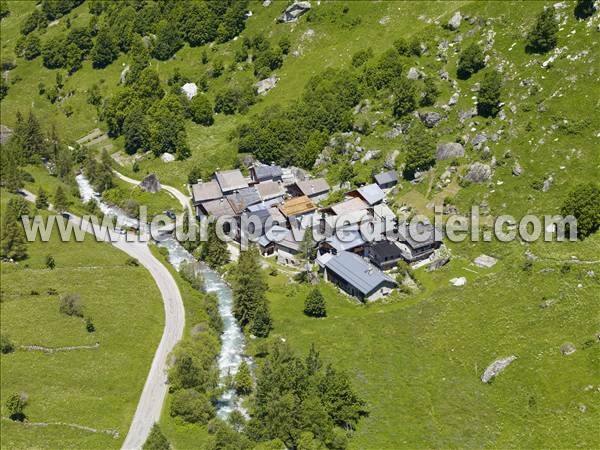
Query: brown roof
[
  {"x": 297, "y": 205},
  {"x": 202, "y": 192},
  {"x": 349, "y": 206},
  {"x": 316, "y": 186},
  {"x": 269, "y": 189}
]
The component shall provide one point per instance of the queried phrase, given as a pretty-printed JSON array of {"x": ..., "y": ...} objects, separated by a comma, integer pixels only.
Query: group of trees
[
  {"x": 100, "y": 173},
  {"x": 265, "y": 56},
  {"x": 115, "y": 26},
  {"x": 250, "y": 306},
  {"x": 301, "y": 403},
  {"x": 214, "y": 251},
  {"x": 281, "y": 134}
]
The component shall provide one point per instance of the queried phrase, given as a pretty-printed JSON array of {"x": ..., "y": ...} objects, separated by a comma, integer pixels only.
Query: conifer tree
[
  {"x": 314, "y": 305},
  {"x": 60, "y": 200},
  {"x": 156, "y": 440},
  {"x": 488, "y": 100},
  {"x": 13, "y": 241},
  {"x": 243, "y": 379},
  {"x": 543, "y": 36},
  {"x": 249, "y": 287},
  {"x": 41, "y": 201}
]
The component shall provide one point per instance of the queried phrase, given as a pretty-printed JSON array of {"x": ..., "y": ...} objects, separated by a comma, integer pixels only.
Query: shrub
[
  {"x": 471, "y": 61},
  {"x": 191, "y": 406},
  {"x": 131, "y": 261},
  {"x": 16, "y": 404},
  {"x": 6, "y": 345},
  {"x": 71, "y": 305},
  {"x": 156, "y": 440},
  {"x": 314, "y": 305},
  {"x": 583, "y": 202},
  {"x": 89, "y": 325},
  {"x": 50, "y": 262},
  {"x": 201, "y": 110},
  {"x": 243, "y": 380}
]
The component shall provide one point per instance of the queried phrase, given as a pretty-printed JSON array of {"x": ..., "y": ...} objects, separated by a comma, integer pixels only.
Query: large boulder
[
  {"x": 454, "y": 21},
  {"x": 390, "y": 159},
  {"x": 294, "y": 11},
  {"x": 264, "y": 86},
  {"x": 479, "y": 140},
  {"x": 414, "y": 74},
  {"x": 449, "y": 150},
  {"x": 496, "y": 368},
  {"x": 478, "y": 173},
  {"x": 167, "y": 157},
  {"x": 150, "y": 184},
  {"x": 430, "y": 119},
  {"x": 5, "y": 134}
]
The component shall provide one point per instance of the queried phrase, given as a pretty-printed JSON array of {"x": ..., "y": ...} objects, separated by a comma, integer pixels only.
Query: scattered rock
[
  {"x": 454, "y": 21},
  {"x": 384, "y": 20},
  {"x": 547, "y": 303},
  {"x": 485, "y": 261},
  {"x": 390, "y": 159},
  {"x": 294, "y": 11},
  {"x": 150, "y": 184},
  {"x": 461, "y": 281},
  {"x": 397, "y": 130},
  {"x": 167, "y": 157},
  {"x": 123, "y": 75},
  {"x": 496, "y": 368},
  {"x": 414, "y": 74},
  {"x": 444, "y": 75},
  {"x": 370, "y": 154},
  {"x": 454, "y": 99},
  {"x": 567, "y": 349},
  {"x": 478, "y": 173},
  {"x": 478, "y": 140},
  {"x": 264, "y": 86},
  {"x": 547, "y": 184},
  {"x": 449, "y": 150},
  {"x": 5, "y": 133},
  {"x": 430, "y": 119},
  {"x": 467, "y": 114},
  {"x": 267, "y": 3},
  {"x": 517, "y": 170}
]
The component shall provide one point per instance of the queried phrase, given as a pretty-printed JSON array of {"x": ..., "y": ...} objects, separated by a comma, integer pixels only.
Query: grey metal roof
[
  {"x": 230, "y": 180},
  {"x": 202, "y": 192},
  {"x": 315, "y": 186},
  {"x": 371, "y": 193},
  {"x": 243, "y": 198},
  {"x": 386, "y": 177},
  {"x": 262, "y": 173},
  {"x": 357, "y": 272},
  {"x": 351, "y": 239}
]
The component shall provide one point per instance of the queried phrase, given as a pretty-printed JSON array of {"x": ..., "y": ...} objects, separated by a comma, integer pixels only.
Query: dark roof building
[
  {"x": 263, "y": 173},
  {"x": 384, "y": 254},
  {"x": 243, "y": 198},
  {"x": 419, "y": 244},
  {"x": 355, "y": 276},
  {"x": 386, "y": 180},
  {"x": 217, "y": 208}
]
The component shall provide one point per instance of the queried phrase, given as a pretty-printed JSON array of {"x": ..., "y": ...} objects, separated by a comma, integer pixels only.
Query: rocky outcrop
[
  {"x": 150, "y": 184},
  {"x": 430, "y": 119},
  {"x": 478, "y": 173},
  {"x": 517, "y": 170},
  {"x": 449, "y": 150},
  {"x": 496, "y": 368}
]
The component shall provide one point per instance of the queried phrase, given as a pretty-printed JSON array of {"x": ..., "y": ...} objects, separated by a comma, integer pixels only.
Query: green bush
[
  {"x": 191, "y": 406},
  {"x": 71, "y": 305}
]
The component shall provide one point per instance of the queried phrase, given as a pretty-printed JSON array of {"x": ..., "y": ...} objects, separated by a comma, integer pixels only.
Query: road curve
[
  {"x": 180, "y": 196},
  {"x": 155, "y": 389}
]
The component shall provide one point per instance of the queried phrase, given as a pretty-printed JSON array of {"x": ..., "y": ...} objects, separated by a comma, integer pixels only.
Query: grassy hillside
[
  {"x": 417, "y": 360},
  {"x": 98, "y": 388}
]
